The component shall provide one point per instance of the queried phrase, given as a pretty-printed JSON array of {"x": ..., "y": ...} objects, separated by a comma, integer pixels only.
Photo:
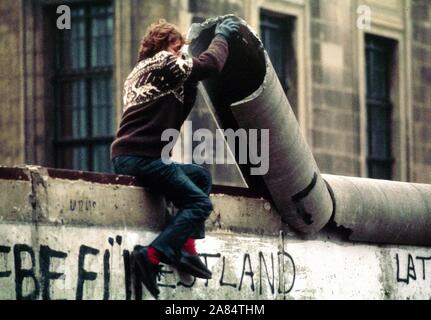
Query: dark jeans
[{"x": 186, "y": 185}]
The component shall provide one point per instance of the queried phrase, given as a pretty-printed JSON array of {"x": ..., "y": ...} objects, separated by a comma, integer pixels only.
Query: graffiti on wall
[
  {"x": 82, "y": 205},
  {"x": 261, "y": 273},
  {"x": 409, "y": 268}
]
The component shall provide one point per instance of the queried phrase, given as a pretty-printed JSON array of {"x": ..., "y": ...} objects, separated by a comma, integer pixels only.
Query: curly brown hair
[{"x": 158, "y": 37}]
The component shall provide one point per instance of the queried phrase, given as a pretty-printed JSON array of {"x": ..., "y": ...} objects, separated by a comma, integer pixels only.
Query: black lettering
[
  {"x": 111, "y": 241},
  {"x": 282, "y": 272},
  {"x": 46, "y": 253},
  {"x": 119, "y": 240},
  {"x": 271, "y": 284},
  {"x": 21, "y": 274},
  {"x": 5, "y": 250},
  {"x": 411, "y": 272},
  {"x": 72, "y": 205},
  {"x": 127, "y": 278},
  {"x": 136, "y": 277},
  {"x": 222, "y": 283},
  {"x": 162, "y": 273},
  {"x": 84, "y": 275},
  {"x": 406, "y": 280},
  {"x": 423, "y": 265},
  {"x": 249, "y": 273},
  {"x": 106, "y": 275},
  {"x": 206, "y": 256}
]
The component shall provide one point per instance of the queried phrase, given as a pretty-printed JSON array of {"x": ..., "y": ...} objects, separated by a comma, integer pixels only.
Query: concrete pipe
[
  {"x": 248, "y": 95},
  {"x": 382, "y": 211}
]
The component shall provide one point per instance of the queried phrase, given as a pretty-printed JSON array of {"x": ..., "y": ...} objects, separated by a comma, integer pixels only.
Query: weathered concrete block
[
  {"x": 382, "y": 211},
  {"x": 94, "y": 263},
  {"x": 49, "y": 251},
  {"x": 16, "y": 195}
]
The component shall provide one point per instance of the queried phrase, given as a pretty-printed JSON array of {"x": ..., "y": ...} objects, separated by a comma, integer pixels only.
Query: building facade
[{"x": 357, "y": 73}]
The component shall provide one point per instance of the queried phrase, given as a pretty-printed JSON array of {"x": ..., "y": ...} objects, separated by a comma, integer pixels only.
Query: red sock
[
  {"x": 153, "y": 255},
  {"x": 190, "y": 247}
]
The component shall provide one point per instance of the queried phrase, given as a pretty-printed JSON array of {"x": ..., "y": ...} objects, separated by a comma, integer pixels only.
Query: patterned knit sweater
[{"x": 159, "y": 94}]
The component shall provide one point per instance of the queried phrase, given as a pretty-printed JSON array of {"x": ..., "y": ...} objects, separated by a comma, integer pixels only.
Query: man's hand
[{"x": 227, "y": 27}]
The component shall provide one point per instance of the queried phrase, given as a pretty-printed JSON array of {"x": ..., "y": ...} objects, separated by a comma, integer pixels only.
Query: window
[
  {"x": 378, "y": 55},
  {"x": 83, "y": 90},
  {"x": 277, "y": 34}
]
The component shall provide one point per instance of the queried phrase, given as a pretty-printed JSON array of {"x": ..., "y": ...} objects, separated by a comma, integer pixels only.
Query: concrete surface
[{"x": 70, "y": 238}]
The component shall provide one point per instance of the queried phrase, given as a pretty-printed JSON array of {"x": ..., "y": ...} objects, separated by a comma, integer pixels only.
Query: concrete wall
[{"x": 68, "y": 235}]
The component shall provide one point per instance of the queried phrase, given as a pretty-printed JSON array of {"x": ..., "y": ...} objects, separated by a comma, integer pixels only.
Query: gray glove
[{"x": 227, "y": 27}]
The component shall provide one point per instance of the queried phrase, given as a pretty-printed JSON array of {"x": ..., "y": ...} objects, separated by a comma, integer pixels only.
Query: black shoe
[
  {"x": 148, "y": 271},
  {"x": 193, "y": 265}
]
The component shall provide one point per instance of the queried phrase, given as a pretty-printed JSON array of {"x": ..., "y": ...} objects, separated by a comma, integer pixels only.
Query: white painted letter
[
  {"x": 64, "y": 21},
  {"x": 364, "y": 20},
  {"x": 231, "y": 136},
  {"x": 203, "y": 152},
  {"x": 263, "y": 160},
  {"x": 166, "y": 135},
  {"x": 188, "y": 142}
]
